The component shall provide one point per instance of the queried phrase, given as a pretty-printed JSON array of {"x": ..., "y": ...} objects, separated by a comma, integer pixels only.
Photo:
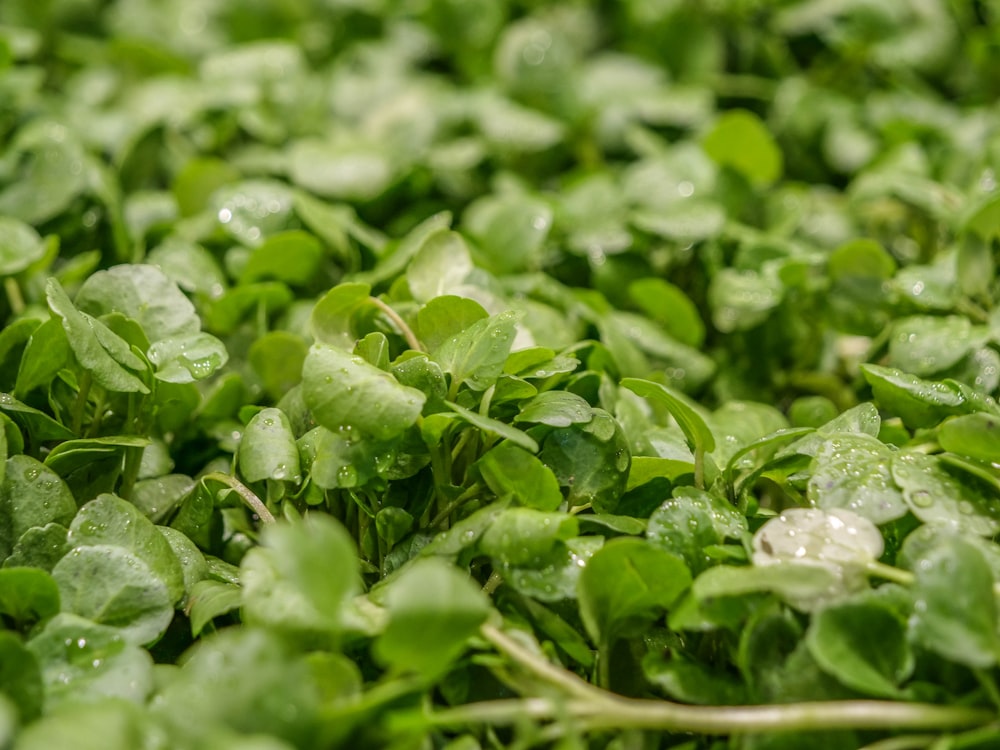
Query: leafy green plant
[{"x": 467, "y": 374}]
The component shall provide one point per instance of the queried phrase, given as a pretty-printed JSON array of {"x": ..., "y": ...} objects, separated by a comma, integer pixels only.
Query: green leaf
[
  {"x": 301, "y": 577},
  {"x": 863, "y": 645},
  {"x": 556, "y": 409},
  {"x": 741, "y": 300},
  {"x": 439, "y": 266},
  {"x": 98, "y": 350},
  {"x": 331, "y": 321},
  {"x": 27, "y": 596},
  {"x": 510, "y": 469},
  {"x": 925, "y": 345},
  {"x": 510, "y": 229},
  {"x": 476, "y": 355},
  {"x": 344, "y": 391},
  {"x": 39, "y": 547},
  {"x": 359, "y": 172},
  {"x": 277, "y": 357},
  {"x": 188, "y": 358},
  {"x": 495, "y": 427},
  {"x": 919, "y": 403},
  {"x": 669, "y": 306},
  {"x": 590, "y": 460},
  {"x": 692, "y": 520},
  {"x": 20, "y": 677},
  {"x": 292, "y": 257},
  {"x": 146, "y": 295},
  {"x": 48, "y": 351},
  {"x": 556, "y": 577},
  {"x": 974, "y": 435},
  {"x": 954, "y": 610},
  {"x": 446, "y": 316},
  {"x": 852, "y": 471},
  {"x": 626, "y": 585},
  {"x": 522, "y": 537},
  {"x": 803, "y": 586},
  {"x": 109, "y": 520},
  {"x": 681, "y": 408},
  {"x": 32, "y": 495},
  {"x": 936, "y": 495},
  {"x": 267, "y": 448},
  {"x": 81, "y": 660},
  {"x": 20, "y": 246},
  {"x": 112, "y": 586},
  {"x": 210, "y": 599},
  {"x": 741, "y": 141},
  {"x": 426, "y": 634}
]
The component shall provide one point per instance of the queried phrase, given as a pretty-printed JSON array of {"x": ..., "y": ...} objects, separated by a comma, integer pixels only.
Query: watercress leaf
[
  {"x": 863, "y": 645},
  {"x": 109, "y": 520},
  {"x": 39, "y": 547},
  {"x": 425, "y": 634},
  {"x": 417, "y": 370},
  {"x": 495, "y": 427},
  {"x": 331, "y": 321},
  {"x": 936, "y": 495},
  {"x": 557, "y": 576},
  {"x": 861, "y": 419},
  {"x": 590, "y": 460},
  {"x": 852, "y": 471},
  {"x": 974, "y": 435},
  {"x": 192, "y": 562},
  {"x": 556, "y": 409},
  {"x": 690, "y": 681},
  {"x": 48, "y": 351},
  {"x": 212, "y": 689},
  {"x": 301, "y": 576},
  {"x": 740, "y": 140},
  {"x": 71, "y": 455},
  {"x": 188, "y": 358},
  {"x": 690, "y": 420},
  {"x": 346, "y": 460},
  {"x": 524, "y": 536},
  {"x": 954, "y": 611},
  {"x": 439, "y": 266},
  {"x": 20, "y": 246},
  {"x": 837, "y": 539},
  {"x": 564, "y": 635},
  {"x": 446, "y": 316},
  {"x": 90, "y": 341},
  {"x": 267, "y": 448},
  {"x": 112, "y": 586},
  {"x": 346, "y": 171},
  {"x": 806, "y": 587},
  {"x": 292, "y": 257},
  {"x": 476, "y": 355},
  {"x": 742, "y": 299},
  {"x": 143, "y": 293},
  {"x": 690, "y": 521},
  {"x": 83, "y": 661},
  {"x": 250, "y": 210},
  {"x": 27, "y": 596},
  {"x": 509, "y": 469},
  {"x": 628, "y": 583},
  {"x": 31, "y": 495},
  {"x": 210, "y": 599},
  {"x": 669, "y": 306},
  {"x": 343, "y": 390},
  {"x": 925, "y": 345},
  {"x": 919, "y": 403},
  {"x": 189, "y": 265},
  {"x": 510, "y": 230}
]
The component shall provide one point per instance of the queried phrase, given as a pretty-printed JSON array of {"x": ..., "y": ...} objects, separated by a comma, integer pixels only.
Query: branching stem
[
  {"x": 246, "y": 494},
  {"x": 411, "y": 338}
]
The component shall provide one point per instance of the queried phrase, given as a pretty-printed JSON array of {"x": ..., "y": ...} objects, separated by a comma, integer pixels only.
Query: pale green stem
[
  {"x": 699, "y": 467},
  {"x": 411, "y": 339},
  {"x": 889, "y": 573},
  {"x": 492, "y": 583},
  {"x": 597, "y": 709},
  {"x": 907, "y": 742},
  {"x": 14, "y": 296},
  {"x": 249, "y": 498}
]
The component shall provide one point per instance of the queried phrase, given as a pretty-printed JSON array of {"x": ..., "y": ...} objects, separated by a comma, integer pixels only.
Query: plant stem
[
  {"x": 451, "y": 507},
  {"x": 907, "y": 742},
  {"x": 249, "y": 498},
  {"x": 699, "y": 467},
  {"x": 597, "y": 709},
  {"x": 80, "y": 402},
  {"x": 890, "y": 573},
  {"x": 411, "y": 339},
  {"x": 492, "y": 583},
  {"x": 14, "y": 296}
]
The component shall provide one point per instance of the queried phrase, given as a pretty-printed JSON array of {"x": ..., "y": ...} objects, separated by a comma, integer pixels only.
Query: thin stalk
[
  {"x": 492, "y": 583},
  {"x": 890, "y": 573},
  {"x": 906, "y": 742},
  {"x": 699, "y": 467},
  {"x": 14, "y": 296},
  {"x": 443, "y": 514},
  {"x": 411, "y": 339},
  {"x": 80, "y": 402},
  {"x": 597, "y": 709},
  {"x": 989, "y": 685},
  {"x": 246, "y": 494}
]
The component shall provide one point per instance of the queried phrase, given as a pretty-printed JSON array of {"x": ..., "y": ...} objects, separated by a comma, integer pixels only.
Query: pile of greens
[{"x": 474, "y": 374}]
